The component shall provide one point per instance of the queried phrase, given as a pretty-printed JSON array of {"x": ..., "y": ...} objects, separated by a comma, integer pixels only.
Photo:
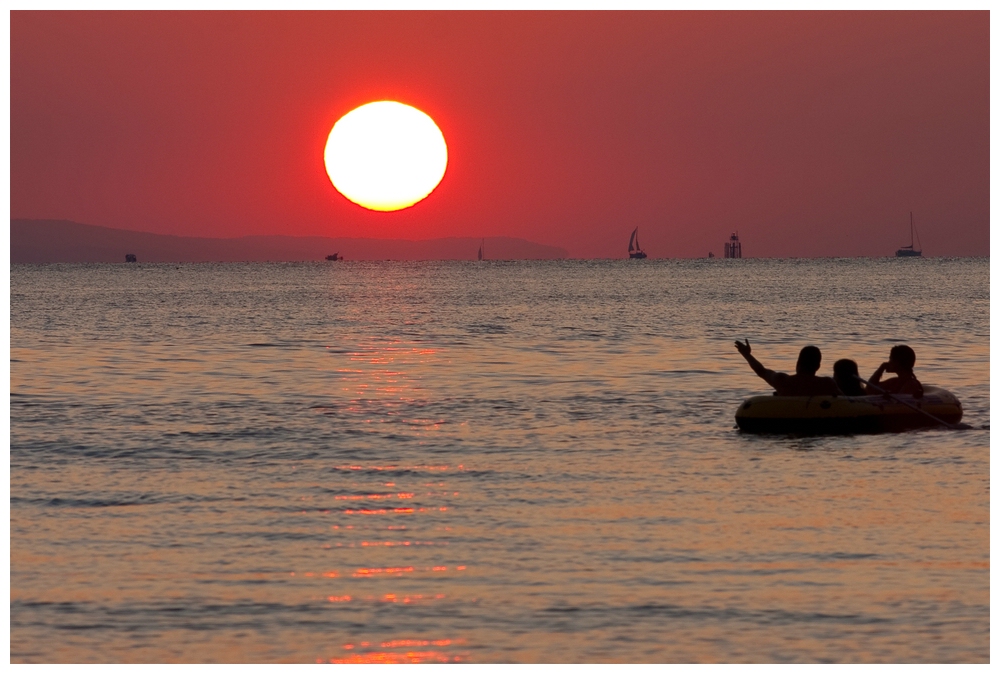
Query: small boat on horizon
[
  {"x": 336, "y": 257},
  {"x": 634, "y": 251},
  {"x": 910, "y": 251},
  {"x": 482, "y": 248}
]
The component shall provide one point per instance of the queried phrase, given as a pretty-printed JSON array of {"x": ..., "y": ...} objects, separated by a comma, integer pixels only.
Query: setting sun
[{"x": 385, "y": 155}]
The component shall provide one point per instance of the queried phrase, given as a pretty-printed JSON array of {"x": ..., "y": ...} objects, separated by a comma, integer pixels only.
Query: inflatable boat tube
[{"x": 831, "y": 415}]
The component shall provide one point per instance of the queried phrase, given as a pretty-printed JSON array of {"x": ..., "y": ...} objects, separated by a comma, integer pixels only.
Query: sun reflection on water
[{"x": 399, "y": 651}]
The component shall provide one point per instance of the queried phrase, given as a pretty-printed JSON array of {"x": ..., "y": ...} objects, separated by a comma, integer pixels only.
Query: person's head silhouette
[
  {"x": 809, "y": 360},
  {"x": 902, "y": 358},
  {"x": 845, "y": 373},
  {"x": 845, "y": 369}
]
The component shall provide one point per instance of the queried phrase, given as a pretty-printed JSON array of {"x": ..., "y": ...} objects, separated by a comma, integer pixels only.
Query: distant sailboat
[
  {"x": 482, "y": 247},
  {"x": 910, "y": 251},
  {"x": 634, "y": 252}
]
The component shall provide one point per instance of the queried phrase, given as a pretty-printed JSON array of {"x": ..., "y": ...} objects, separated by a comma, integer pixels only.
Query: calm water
[{"x": 493, "y": 462}]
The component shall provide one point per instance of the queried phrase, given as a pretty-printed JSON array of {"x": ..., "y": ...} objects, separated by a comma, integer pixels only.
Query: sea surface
[{"x": 487, "y": 462}]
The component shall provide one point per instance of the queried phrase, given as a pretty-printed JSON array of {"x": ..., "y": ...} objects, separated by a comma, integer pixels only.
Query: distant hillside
[{"x": 44, "y": 241}]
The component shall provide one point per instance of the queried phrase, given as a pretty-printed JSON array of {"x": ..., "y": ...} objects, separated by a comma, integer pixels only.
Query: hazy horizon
[
  {"x": 56, "y": 241},
  {"x": 38, "y": 249}
]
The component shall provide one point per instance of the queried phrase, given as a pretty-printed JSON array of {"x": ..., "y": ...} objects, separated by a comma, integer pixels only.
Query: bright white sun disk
[{"x": 385, "y": 155}]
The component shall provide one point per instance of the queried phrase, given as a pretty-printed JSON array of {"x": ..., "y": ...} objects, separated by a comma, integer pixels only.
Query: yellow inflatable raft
[{"x": 847, "y": 414}]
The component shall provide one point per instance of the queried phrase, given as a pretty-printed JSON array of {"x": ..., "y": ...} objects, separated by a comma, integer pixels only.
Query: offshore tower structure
[{"x": 733, "y": 248}]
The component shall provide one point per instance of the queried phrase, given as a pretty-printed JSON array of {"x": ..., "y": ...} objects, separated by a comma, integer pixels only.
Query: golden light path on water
[{"x": 485, "y": 463}]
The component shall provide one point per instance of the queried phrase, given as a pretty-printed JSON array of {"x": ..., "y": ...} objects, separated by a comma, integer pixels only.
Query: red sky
[{"x": 813, "y": 133}]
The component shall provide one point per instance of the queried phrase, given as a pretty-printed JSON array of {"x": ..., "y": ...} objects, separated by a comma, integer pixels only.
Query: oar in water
[{"x": 912, "y": 407}]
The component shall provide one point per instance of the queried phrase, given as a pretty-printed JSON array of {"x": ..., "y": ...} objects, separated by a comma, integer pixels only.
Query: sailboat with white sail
[
  {"x": 910, "y": 251},
  {"x": 634, "y": 251}
]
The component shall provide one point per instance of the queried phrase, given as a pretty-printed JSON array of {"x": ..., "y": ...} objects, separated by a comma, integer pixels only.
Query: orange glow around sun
[{"x": 385, "y": 155}]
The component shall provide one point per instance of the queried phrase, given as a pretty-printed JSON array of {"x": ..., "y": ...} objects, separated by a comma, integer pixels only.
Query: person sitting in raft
[
  {"x": 901, "y": 360},
  {"x": 845, "y": 373},
  {"x": 803, "y": 383}
]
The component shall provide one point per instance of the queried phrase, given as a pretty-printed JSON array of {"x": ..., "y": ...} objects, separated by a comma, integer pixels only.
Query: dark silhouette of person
[
  {"x": 803, "y": 383},
  {"x": 901, "y": 361},
  {"x": 845, "y": 373}
]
